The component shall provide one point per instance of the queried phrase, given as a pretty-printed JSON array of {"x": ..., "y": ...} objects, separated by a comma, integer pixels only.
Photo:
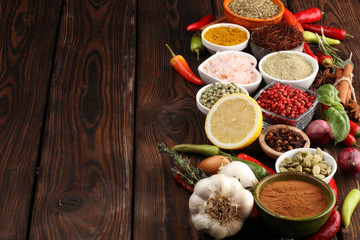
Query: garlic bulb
[
  {"x": 241, "y": 172},
  {"x": 219, "y": 205}
]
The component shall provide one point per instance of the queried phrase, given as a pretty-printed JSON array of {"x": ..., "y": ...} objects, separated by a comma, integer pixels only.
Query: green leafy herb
[
  {"x": 335, "y": 115},
  {"x": 183, "y": 167}
]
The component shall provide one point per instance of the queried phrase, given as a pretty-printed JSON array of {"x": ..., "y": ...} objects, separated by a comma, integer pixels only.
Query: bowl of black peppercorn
[{"x": 274, "y": 140}]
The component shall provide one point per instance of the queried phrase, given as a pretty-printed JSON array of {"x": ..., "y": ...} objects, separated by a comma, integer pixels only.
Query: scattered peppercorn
[{"x": 283, "y": 139}]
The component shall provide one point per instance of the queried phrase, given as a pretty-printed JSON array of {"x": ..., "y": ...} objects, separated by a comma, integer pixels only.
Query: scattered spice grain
[
  {"x": 293, "y": 198},
  {"x": 258, "y": 9}
]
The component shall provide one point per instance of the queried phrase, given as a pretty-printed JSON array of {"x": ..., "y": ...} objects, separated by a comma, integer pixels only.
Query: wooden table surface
[{"x": 86, "y": 92}]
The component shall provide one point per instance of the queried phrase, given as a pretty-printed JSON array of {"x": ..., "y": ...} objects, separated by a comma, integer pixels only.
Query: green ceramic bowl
[{"x": 293, "y": 227}]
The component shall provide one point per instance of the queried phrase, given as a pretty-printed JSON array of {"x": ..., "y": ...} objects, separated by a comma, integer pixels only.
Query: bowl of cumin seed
[{"x": 253, "y": 13}]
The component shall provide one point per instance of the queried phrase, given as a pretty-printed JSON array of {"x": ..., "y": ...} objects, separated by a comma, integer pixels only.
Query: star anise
[
  {"x": 354, "y": 109},
  {"x": 325, "y": 77}
]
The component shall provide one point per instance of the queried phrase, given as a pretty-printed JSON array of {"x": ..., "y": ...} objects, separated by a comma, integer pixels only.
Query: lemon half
[{"x": 234, "y": 122}]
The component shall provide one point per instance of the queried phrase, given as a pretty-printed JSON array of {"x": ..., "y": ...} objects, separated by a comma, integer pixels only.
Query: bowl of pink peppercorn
[{"x": 286, "y": 104}]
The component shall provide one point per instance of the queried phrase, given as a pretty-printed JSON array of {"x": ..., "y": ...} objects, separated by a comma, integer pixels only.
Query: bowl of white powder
[
  {"x": 231, "y": 67},
  {"x": 290, "y": 67}
]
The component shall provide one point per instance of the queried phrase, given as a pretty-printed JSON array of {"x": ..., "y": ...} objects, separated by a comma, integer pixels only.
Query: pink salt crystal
[{"x": 231, "y": 67}]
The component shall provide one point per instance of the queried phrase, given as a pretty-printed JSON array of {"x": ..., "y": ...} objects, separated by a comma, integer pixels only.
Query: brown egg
[{"x": 212, "y": 164}]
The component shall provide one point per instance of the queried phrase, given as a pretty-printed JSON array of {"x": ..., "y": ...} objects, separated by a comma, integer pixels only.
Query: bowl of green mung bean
[{"x": 209, "y": 94}]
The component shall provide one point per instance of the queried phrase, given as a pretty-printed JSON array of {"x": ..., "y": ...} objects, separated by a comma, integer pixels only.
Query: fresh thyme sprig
[{"x": 183, "y": 167}]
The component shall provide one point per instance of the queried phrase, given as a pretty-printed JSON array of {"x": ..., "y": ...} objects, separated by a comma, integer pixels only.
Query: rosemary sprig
[
  {"x": 183, "y": 167},
  {"x": 327, "y": 49}
]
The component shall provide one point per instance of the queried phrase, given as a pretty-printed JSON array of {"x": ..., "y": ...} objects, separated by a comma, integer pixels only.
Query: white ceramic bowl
[
  {"x": 213, "y": 48},
  {"x": 260, "y": 52},
  {"x": 204, "y": 109},
  {"x": 250, "y": 87},
  {"x": 327, "y": 157},
  {"x": 305, "y": 82}
]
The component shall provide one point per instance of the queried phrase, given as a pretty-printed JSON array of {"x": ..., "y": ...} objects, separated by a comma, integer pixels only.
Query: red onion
[
  {"x": 349, "y": 160},
  {"x": 319, "y": 132}
]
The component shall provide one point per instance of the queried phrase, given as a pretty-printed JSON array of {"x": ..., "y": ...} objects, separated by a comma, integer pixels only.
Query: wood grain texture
[
  {"x": 343, "y": 15},
  {"x": 86, "y": 92},
  {"x": 27, "y": 42},
  {"x": 85, "y": 182},
  {"x": 165, "y": 112}
]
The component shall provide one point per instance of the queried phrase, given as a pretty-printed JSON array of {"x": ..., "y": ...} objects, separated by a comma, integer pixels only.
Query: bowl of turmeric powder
[
  {"x": 225, "y": 37},
  {"x": 293, "y": 205}
]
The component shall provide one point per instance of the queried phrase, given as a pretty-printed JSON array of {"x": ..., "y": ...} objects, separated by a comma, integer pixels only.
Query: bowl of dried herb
[{"x": 251, "y": 14}]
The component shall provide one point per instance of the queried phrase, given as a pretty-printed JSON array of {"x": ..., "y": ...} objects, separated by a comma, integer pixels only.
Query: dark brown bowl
[{"x": 271, "y": 152}]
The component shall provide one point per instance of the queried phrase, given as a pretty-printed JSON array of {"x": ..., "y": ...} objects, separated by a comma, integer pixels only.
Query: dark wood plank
[
  {"x": 343, "y": 15},
  {"x": 27, "y": 40},
  {"x": 85, "y": 181},
  {"x": 165, "y": 112}
]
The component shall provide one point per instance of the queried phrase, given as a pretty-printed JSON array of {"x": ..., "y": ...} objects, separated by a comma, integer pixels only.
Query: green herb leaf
[
  {"x": 339, "y": 123},
  {"x": 187, "y": 171},
  {"x": 335, "y": 115},
  {"x": 328, "y": 95}
]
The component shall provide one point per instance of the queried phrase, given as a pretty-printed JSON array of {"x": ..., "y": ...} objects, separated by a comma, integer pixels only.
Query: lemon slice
[{"x": 234, "y": 122}]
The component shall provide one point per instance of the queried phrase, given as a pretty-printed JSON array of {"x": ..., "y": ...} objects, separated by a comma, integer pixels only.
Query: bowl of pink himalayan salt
[{"x": 231, "y": 67}]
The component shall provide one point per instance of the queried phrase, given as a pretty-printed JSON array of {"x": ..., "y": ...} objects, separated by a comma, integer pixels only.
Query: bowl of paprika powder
[{"x": 293, "y": 205}]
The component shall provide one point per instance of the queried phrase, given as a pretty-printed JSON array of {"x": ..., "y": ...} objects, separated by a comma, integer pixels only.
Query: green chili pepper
[
  {"x": 211, "y": 150},
  {"x": 258, "y": 170},
  {"x": 311, "y": 37},
  {"x": 351, "y": 201},
  {"x": 196, "y": 45},
  {"x": 203, "y": 149}
]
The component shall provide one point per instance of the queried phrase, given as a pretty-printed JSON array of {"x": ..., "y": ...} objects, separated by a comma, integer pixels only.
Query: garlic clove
[{"x": 228, "y": 205}]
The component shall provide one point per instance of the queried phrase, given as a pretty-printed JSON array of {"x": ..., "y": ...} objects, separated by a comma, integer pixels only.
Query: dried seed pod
[{"x": 315, "y": 170}]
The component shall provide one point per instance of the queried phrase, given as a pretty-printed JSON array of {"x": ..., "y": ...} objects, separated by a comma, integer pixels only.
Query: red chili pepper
[
  {"x": 309, "y": 15},
  {"x": 197, "y": 25},
  {"x": 254, "y": 213},
  {"x": 335, "y": 33},
  {"x": 182, "y": 67},
  {"x": 330, "y": 228},
  {"x": 251, "y": 159},
  {"x": 182, "y": 182},
  {"x": 324, "y": 59},
  {"x": 350, "y": 141},
  {"x": 333, "y": 186},
  {"x": 291, "y": 19},
  {"x": 354, "y": 129},
  {"x": 308, "y": 51}
]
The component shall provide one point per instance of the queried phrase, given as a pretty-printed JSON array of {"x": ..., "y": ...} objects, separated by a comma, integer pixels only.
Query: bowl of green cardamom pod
[{"x": 312, "y": 161}]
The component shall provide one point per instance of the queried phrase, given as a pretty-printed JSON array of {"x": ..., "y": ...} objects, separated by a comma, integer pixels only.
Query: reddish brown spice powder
[{"x": 293, "y": 198}]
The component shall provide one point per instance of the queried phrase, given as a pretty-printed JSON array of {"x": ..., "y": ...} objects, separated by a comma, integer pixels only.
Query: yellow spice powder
[{"x": 225, "y": 36}]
